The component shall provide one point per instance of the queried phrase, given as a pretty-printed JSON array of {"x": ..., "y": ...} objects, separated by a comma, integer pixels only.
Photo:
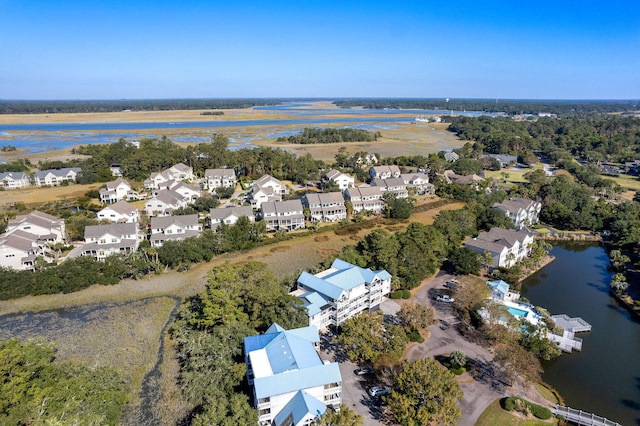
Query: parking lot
[{"x": 444, "y": 338}]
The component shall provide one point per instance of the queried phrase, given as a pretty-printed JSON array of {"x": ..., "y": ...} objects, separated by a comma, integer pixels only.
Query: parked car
[
  {"x": 445, "y": 298},
  {"x": 379, "y": 390},
  {"x": 364, "y": 370},
  {"x": 452, "y": 284}
]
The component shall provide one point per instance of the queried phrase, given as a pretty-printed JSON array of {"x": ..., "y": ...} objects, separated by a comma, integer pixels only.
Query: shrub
[
  {"x": 396, "y": 294},
  {"x": 415, "y": 336},
  {"x": 543, "y": 413},
  {"x": 406, "y": 294}
]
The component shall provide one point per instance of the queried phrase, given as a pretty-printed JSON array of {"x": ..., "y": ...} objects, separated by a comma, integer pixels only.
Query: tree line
[
  {"x": 78, "y": 106},
  {"x": 330, "y": 135},
  {"x": 508, "y": 106}
]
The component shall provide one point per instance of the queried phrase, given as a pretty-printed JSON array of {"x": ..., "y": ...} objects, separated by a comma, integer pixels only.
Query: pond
[{"x": 604, "y": 378}]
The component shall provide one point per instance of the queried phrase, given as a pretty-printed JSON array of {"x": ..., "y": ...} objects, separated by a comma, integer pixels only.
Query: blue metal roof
[
  {"x": 314, "y": 302},
  {"x": 252, "y": 343},
  {"x": 297, "y": 380},
  {"x": 301, "y": 408},
  {"x": 288, "y": 352},
  {"x": 320, "y": 285},
  {"x": 499, "y": 285}
]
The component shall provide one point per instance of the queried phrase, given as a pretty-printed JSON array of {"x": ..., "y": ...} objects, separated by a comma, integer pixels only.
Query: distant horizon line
[{"x": 310, "y": 98}]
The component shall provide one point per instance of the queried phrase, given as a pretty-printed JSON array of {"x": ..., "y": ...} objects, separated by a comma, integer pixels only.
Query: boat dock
[{"x": 568, "y": 342}]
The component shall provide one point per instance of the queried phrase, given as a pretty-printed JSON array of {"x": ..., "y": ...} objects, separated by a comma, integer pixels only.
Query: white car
[
  {"x": 379, "y": 391},
  {"x": 445, "y": 298}
]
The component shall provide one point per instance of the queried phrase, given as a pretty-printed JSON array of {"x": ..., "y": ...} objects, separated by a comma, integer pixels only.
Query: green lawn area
[
  {"x": 494, "y": 415},
  {"x": 513, "y": 176},
  {"x": 547, "y": 393},
  {"x": 626, "y": 181}
]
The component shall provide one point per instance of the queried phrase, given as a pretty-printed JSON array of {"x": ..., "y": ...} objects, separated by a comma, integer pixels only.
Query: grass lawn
[
  {"x": 547, "y": 393},
  {"x": 626, "y": 181},
  {"x": 513, "y": 176},
  {"x": 494, "y": 415}
]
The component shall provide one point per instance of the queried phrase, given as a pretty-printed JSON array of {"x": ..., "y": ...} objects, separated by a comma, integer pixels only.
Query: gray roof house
[
  {"x": 14, "y": 180},
  {"x": 522, "y": 211},
  {"x": 287, "y": 215},
  {"x": 506, "y": 246},
  {"x": 230, "y": 215},
  {"x": 393, "y": 185},
  {"x": 365, "y": 198},
  {"x": 174, "y": 228},
  {"x": 419, "y": 182},
  {"x": 217, "y": 178},
  {"x": 102, "y": 241},
  {"x": 120, "y": 212},
  {"x": 325, "y": 207},
  {"x": 384, "y": 172},
  {"x": 54, "y": 177}
]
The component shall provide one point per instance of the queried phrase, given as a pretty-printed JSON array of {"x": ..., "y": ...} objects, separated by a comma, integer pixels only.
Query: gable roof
[
  {"x": 117, "y": 229},
  {"x": 121, "y": 207},
  {"x": 222, "y": 213},
  {"x": 301, "y": 408},
  {"x": 185, "y": 221}
]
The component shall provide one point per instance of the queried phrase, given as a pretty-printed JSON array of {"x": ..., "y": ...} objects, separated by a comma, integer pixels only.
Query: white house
[
  {"x": 220, "y": 178},
  {"x": 522, "y": 212},
  {"x": 340, "y": 292},
  {"x": 230, "y": 215},
  {"x": 179, "y": 172},
  {"x": 506, "y": 246},
  {"x": 14, "y": 180},
  {"x": 116, "y": 170},
  {"x": 287, "y": 215},
  {"x": 451, "y": 156},
  {"x": 20, "y": 249},
  {"x": 325, "y": 207},
  {"x": 174, "y": 228},
  {"x": 419, "y": 182},
  {"x": 343, "y": 181},
  {"x": 393, "y": 185},
  {"x": 384, "y": 172},
  {"x": 120, "y": 212},
  {"x": 115, "y": 191},
  {"x": 54, "y": 177},
  {"x": 365, "y": 198},
  {"x": 102, "y": 241},
  {"x": 164, "y": 202},
  {"x": 291, "y": 384},
  {"x": 44, "y": 226},
  {"x": 189, "y": 193},
  {"x": 267, "y": 181}
]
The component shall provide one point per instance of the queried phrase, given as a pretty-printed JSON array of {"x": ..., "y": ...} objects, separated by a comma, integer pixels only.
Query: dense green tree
[
  {"x": 343, "y": 417},
  {"x": 398, "y": 208},
  {"x": 424, "y": 392},
  {"x": 34, "y": 390},
  {"x": 415, "y": 316},
  {"x": 365, "y": 338},
  {"x": 465, "y": 261}
]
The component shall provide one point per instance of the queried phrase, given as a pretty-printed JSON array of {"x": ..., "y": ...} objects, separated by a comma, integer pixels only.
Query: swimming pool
[{"x": 517, "y": 312}]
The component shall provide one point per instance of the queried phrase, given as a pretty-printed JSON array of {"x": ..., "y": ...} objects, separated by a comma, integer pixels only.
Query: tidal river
[{"x": 605, "y": 377}]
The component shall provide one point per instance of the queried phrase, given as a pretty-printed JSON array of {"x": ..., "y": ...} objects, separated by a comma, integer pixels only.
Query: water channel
[{"x": 605, "y": 377}]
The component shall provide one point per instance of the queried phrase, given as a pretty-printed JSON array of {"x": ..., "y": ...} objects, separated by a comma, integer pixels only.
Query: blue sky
[{"x": 213, "y": 49}]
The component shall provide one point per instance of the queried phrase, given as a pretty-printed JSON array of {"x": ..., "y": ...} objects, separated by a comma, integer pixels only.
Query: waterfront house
[
  {"x": 291, "y": 384},
  {"x": 220, "y": 178},
  {"x": 522, "y": 211},
  {"x": 14, "y": 180},
  {"x": 340, "y": 292},
  {"x": 343, "y": 180},
  {"x": 325, "y": 207},
  {"x": 506, "y": 246},
  {"x": 230, "y": 215},
  {"x": 384, "y": 172},
  {"x": 120, "y": 212},
  {"x": 55, "y": 177},
  {"x": 102, "y": 241},
  {"x": 174, "y": 228},
  {"x": 287, "y": 215},
  {"x": 365, "y": 198},
  {"x": 19, "y": 250}
]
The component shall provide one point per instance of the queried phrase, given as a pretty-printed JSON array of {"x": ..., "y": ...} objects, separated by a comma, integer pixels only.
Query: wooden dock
[{"x": 580, "y": 417}]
